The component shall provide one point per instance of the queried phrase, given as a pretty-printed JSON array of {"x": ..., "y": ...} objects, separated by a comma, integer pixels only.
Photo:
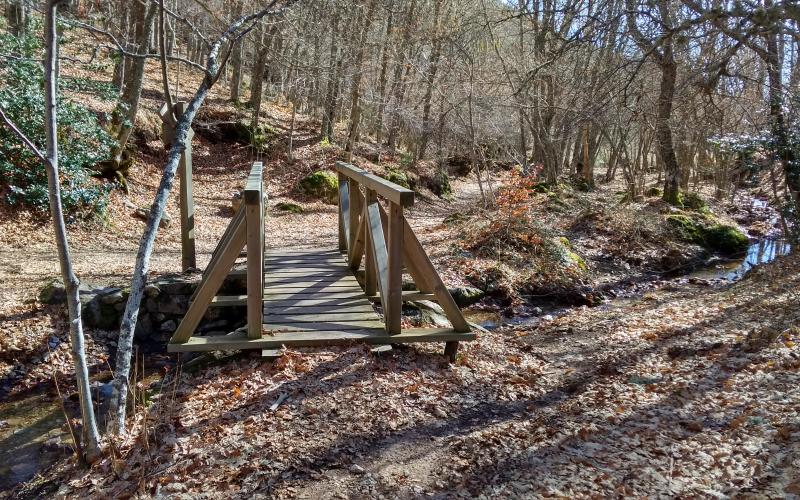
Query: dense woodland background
[{"x": 703, "y": 92}]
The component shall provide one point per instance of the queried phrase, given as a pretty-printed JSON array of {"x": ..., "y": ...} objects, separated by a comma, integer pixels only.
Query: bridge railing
[
  {"x": 385, "y": 242},
  {"x": 246, "y": 228}
]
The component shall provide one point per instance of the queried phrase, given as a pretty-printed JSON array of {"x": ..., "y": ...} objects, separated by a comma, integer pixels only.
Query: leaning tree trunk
[
  {"x": 124, "y": 116},
  {"x": 90, "y": 437},
  {"x": 125, "y": 343}
]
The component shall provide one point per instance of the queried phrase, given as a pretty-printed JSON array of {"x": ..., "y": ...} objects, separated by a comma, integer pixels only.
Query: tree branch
[{"x": 22, "y": 137}]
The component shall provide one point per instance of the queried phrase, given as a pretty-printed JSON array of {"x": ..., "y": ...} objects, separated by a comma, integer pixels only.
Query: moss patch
[
  {"x": 321, "y": 184},
  {"x": 687, "y": 228},
  {"x": 653, "y": 191},
  {"x": 726, "y": 239},
  {"x": 694, "y": 201},
  {"x": 293, "y": 208},
  {"x": 397, "y": 177},
  {"x": 720, "y": 238}
]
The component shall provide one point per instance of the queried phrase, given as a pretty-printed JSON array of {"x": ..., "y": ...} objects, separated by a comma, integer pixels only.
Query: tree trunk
[
  {"x": 17, "y": 17},
  {"x": 125, "y": 342},
  {"x": 430, "y": 78},
  {"x": 124, "y": 116},
  {"x": 236, "y": 60},
  {"x": 666, "y": 150},
  {"x": 90, "y": 437},
  {"x": 783, "y": 147},
  {"x": 355, "y": 97}
]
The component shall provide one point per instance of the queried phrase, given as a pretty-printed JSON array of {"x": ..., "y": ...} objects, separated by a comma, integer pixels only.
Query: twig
[{"x": 278, "y": 401}]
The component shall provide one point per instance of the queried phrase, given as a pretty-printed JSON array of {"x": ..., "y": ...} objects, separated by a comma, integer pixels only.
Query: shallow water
[
  {"x": 26, "y": 426},
  {"x": 758, "y": 253}
]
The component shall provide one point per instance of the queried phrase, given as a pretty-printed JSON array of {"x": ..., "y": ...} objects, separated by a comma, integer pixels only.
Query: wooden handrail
[
  {"x": 387, "y": 244},
  {"x": 254, "y": 214},
  {"x": 386, "y": 189},
  {"x": 246, "y": 228}
]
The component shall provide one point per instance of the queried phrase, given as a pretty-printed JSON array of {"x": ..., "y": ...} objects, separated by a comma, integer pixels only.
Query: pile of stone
[{"x": 166, "y": 300}]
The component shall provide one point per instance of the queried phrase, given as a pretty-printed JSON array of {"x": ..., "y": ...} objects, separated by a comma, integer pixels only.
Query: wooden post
[
  {"x": 394, "y": 294},
  {"x": 254, "y": 215},
  {"x": 354, "y": 195},
  {"x": 188, "y": 248},
  {"x": 342, "y": 202},
  {"x": 370, "y": 278}
]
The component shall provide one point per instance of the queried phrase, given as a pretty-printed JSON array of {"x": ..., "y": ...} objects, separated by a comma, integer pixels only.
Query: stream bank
[{"x": 719, "y": 271}]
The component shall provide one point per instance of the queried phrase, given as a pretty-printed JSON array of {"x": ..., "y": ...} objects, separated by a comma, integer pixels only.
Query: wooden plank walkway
[
  {"x": 314, "y": 290},
  {"x": 311, "y": 298}
]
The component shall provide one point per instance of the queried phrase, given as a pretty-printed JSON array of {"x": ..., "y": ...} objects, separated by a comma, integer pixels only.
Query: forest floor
[
  {"x": 688, "y": 388},
  {"x": 687, "y": 391}
]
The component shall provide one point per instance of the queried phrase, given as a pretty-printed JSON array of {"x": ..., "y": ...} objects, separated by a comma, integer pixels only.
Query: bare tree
[
  {"x": 214, "y": 65},
  {"x": 89, "y": 446}
]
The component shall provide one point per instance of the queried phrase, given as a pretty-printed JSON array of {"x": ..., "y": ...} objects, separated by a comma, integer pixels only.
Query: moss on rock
[
  {"x": 653, "y": 191},
  {"x": 398, "y": 177},
  {"x": 321, "y": 184},
  {"x": 293, "y": 208},
  {"x": 694, "y": 201},
  {"x": 725, "y": 239},
  {"x": 687, "y": 228},
  {"x": 717, "y": 237}
]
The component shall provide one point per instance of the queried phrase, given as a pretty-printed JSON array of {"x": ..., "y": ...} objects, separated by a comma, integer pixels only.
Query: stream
[
  {"x": 760, "y": 252},
  {"x": 33, "y": 433},
  {"x": 32, "y": 436}
]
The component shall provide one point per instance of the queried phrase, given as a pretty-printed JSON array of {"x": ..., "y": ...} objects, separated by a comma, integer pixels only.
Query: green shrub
[
  {"x": 322, "y": 184},
  {"x": 82, "y": 141}
]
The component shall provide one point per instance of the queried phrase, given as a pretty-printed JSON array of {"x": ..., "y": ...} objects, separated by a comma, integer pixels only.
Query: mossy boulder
[
  {"x": 694, "y": 201},
  {"x": 687, "y": 228},
  {"x": 726, "y": 239},
  {"x": 397, "y": 177},
  {"x": 440, "y": 184},
  {"x": 465, "y": 296},
  {"x": 653, "y": 191},
  {"x": 292, "y": 208},
  {"x": 321, "y": 184},
  {"x": 721, "y": 238},
  {"x": 571, "y": 258},
  {"x": 454, "y": 219}
]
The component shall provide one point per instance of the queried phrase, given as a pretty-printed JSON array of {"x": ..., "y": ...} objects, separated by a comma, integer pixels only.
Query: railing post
[
  {"x": 254, "y": 215},
  {"x": 354, "y": 198},
  {"x": 394, "y": 295},
  {"x": 186, "y": 198},
  {"x": 342, "y": 236},
  {"x": 370, "y": 278}
]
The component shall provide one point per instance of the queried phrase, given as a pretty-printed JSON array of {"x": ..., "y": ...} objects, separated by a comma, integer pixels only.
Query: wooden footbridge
[{"x": 314, "y": 297}]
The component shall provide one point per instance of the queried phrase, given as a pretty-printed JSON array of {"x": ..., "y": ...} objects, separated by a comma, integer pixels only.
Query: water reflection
[{"x": 758, "y": 253}]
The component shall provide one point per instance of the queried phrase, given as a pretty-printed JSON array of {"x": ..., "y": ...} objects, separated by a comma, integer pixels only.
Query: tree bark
[
  {"x": 124, "y": 116},
  {"x": 90, "y": 437},
  {"x": 355, "y": 96},
  {"x": 125, "y": 343},
  {"x": 666, "y": 150}
]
